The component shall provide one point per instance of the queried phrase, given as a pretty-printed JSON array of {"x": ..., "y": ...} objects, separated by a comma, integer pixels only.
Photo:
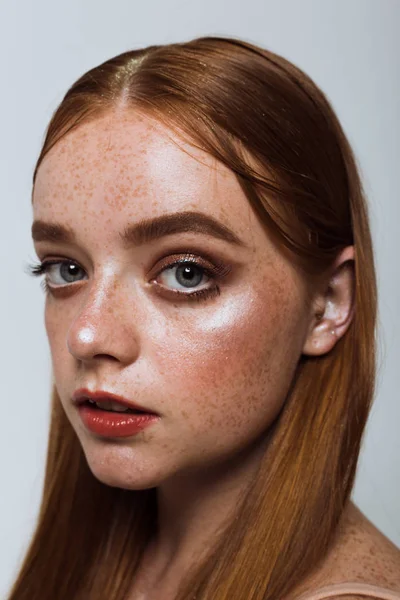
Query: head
[
  {"x": 217, "y": 232},
  {"x": 210, "y": 345}
]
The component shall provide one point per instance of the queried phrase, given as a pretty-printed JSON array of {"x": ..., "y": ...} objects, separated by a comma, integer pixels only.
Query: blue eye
[
  {"x": 187, "y": 274},
  {"x": 65, "y": 271}
]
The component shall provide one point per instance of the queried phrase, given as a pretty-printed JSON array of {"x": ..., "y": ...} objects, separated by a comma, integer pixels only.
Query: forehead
[
  {"x": 127, "y": 167},
  {"x": 131, "y": 163}
]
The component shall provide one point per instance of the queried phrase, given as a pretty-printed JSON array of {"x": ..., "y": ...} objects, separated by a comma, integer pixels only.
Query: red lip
[{"x": 83, "y": 394}]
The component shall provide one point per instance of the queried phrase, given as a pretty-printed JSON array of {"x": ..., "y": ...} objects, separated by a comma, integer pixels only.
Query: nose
[{"x": 105, "y": 325}]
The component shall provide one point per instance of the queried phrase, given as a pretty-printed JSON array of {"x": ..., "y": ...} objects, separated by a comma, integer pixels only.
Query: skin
[
  {"x": 217, "y": 371},
  {"x": 361, "y": 554}
]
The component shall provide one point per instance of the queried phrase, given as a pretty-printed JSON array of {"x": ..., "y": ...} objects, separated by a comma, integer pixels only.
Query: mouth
[
  {"x": 109, "y": 416},
  {"x": 109, "y": 402},
  {"x": 111, "y": 406}
]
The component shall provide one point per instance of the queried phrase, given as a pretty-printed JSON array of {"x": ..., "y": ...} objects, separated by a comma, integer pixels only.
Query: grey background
[{"x": 350, "y": 48}]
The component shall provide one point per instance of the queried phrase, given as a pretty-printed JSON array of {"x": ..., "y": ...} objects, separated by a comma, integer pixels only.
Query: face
[{"x": 203, "y": 329}]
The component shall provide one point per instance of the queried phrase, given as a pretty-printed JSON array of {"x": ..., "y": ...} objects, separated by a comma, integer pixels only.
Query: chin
[
  {"x": 119, "y": 466},
  {"x": 113, "y": 479}
]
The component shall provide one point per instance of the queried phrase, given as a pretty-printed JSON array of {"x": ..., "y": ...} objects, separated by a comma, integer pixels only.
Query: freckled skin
[
  {"x": 216, "y": 371},
  {"x": 360, "y": 554}
]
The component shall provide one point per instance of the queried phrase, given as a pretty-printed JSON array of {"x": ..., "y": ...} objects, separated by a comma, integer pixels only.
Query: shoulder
[
  {"x": 364, "y": 554},
  {"x": 352, "y": 597},
  {"x": 361, "y": 554}
]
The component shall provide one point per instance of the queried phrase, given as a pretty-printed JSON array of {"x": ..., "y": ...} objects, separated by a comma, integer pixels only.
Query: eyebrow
[{"x": 146, "y": 230}]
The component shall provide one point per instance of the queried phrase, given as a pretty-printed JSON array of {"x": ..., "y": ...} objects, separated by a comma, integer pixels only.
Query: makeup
[
  {"x": 186, "y": 330},
  {"x": 108, "y": 424}
]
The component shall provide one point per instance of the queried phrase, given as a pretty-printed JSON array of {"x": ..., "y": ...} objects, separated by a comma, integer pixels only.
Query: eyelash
[{"x": 215, "y": 271}]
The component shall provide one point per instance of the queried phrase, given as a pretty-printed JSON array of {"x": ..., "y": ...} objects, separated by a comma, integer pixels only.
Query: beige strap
[{"x": 347, "y": 589}]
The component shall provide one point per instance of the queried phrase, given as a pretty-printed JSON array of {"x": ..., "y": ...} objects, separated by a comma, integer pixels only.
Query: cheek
[
  {"x": 234, "y": 367},
  {"x": 53, "y": 326},
  {"x": 56, "y": 324}
]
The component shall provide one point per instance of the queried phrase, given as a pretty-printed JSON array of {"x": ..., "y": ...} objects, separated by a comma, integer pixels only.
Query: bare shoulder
[
  {"x": 360, "y": 554},
  {"x": 364, "y": 554}
]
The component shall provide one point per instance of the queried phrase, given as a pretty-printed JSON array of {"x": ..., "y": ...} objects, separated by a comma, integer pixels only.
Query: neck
[{"x": 193, "y": 507}]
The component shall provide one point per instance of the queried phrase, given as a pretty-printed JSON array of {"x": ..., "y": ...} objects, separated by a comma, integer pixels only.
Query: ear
[{"x": 333, "y": 306}]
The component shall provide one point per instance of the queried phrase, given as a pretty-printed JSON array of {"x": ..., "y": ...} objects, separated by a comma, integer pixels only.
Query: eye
[
  {"x": 189, "y": 276},
  {"x": 59, "y": 273},
  {"x": 196, "y": 275},
  {"x": 186, "y": 274}
]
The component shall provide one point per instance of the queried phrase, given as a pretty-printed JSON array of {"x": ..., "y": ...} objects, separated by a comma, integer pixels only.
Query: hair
[{"x": 268, "y": 122}]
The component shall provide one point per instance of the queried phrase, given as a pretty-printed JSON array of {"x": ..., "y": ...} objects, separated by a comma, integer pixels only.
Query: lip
[{"x": 81, "y": 395}]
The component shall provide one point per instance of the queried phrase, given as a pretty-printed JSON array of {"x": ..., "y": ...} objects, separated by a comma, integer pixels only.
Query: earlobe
[
  {"x": 333, "y": 308},
  {"x": 321, "y": 339}
]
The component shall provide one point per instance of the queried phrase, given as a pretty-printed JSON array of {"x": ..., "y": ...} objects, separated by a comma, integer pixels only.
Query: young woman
[{"x": 211, "y": 311}]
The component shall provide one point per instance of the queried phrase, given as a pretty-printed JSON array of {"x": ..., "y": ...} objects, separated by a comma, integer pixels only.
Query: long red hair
[{"x": 270, "y": 124}]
